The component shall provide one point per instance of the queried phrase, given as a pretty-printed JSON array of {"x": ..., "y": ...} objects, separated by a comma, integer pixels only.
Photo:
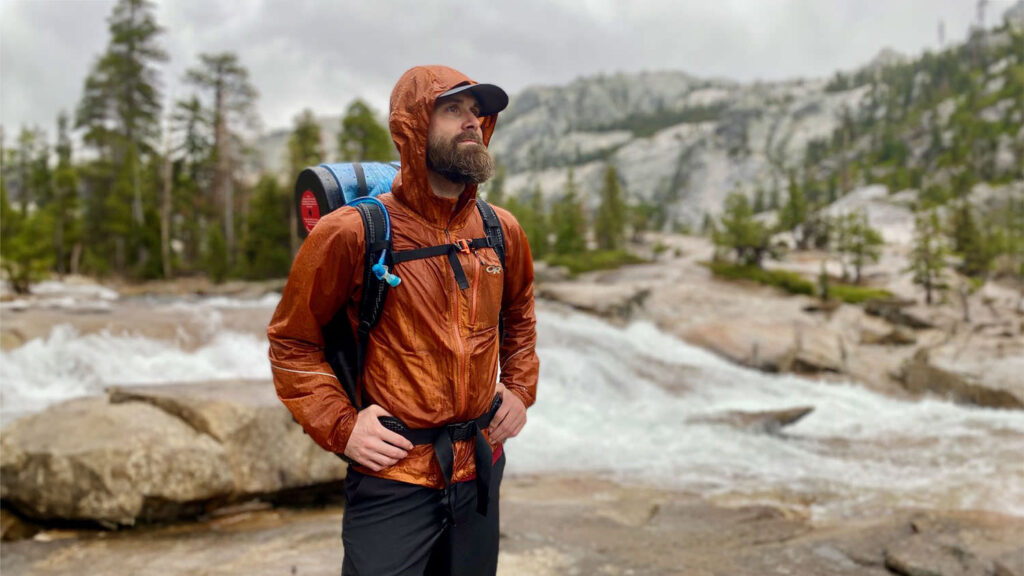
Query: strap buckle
[{"x": 463, "y": 246}]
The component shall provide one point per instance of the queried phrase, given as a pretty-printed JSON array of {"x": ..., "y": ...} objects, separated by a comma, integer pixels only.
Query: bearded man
[{"x": 432, "y": 361}]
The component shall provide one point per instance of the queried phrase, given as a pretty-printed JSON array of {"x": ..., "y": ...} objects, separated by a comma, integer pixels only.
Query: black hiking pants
[{"x": 392, "y": 528}]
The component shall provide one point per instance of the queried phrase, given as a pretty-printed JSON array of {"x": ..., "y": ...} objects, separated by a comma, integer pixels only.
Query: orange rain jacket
[{"x": 433, "y": 358}]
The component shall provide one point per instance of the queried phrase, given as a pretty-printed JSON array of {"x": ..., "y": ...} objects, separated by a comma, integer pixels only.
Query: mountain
[{"x": 936, "y": 121}]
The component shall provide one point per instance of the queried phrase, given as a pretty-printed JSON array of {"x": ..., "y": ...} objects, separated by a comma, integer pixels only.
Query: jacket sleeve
[
  {"x": 325, "y": 275},
  {"x": 520, "y": 366}
]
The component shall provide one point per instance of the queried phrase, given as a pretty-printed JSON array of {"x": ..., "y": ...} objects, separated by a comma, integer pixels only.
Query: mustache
[{"x": 469, "y": 135}]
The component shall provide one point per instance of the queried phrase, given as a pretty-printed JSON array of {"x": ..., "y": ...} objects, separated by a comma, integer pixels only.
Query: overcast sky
[{"x": 321, "y": 54}]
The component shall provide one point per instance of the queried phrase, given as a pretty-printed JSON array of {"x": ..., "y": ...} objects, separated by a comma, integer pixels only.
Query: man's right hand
[{"x": 373, "y": 445}]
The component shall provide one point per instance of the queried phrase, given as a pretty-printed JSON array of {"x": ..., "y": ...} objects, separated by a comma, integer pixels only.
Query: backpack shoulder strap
[
  {"x": 496, "y": 239},
  {"x": 374, "y": 291},
  {"x": 492, "y": 228}
]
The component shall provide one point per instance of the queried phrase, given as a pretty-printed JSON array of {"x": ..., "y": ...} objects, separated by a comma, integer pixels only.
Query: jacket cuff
[{"x": 522, "y": 394}]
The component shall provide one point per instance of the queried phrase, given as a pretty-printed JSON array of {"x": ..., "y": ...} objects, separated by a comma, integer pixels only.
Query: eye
[{"x": 454, "y": 109}]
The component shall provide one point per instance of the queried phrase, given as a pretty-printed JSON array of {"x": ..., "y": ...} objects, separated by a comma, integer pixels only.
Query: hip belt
[{"x": 443, "y": 439}]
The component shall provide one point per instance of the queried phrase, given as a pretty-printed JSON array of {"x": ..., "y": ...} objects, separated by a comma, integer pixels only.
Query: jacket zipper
[
  {"x": 478, "y": 265},
  {"x": 460, "y": 391}
]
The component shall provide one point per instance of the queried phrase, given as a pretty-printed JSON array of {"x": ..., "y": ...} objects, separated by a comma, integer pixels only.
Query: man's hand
[
  {"x": 373, "y": 445},
  {"x": 510, "y": 418}
]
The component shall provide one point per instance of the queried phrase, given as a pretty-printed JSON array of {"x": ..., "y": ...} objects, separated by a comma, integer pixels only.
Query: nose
[{"x": 470, "y": 121}]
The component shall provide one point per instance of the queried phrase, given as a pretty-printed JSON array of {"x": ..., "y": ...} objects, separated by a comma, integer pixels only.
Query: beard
[{"x": 460, "y": 163}]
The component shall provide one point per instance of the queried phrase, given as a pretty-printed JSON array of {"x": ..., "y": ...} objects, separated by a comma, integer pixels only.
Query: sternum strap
[{"x": 450, "y": 250}]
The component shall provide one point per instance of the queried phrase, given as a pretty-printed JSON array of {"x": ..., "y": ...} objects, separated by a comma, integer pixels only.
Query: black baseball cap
[{"x": 490, "y": 98}]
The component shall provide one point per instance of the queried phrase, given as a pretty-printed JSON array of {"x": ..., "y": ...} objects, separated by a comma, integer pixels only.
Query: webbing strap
[
  {"x": 443, "y": 439},
  {"x": 360, "y": 179},
  {"x": 450, "y": 250}
]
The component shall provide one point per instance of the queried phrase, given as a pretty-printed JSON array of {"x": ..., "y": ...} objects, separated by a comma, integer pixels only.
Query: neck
[{"x": 443, "y": 187}]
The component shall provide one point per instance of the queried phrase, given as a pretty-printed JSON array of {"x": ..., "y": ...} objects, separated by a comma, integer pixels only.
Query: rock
[
  {"x": 898, "y": 312},
  {"x": 772, "y": 347},
  {"x": 920, "y": 556},
  {"x": 161, "y": 452},
  {"x": 817, "y": 349},
  {"x": 268, "y": 452},
  {"x": 608, "y": 301},
  {"x": 14, "y": 527},
  {"x": 767, "y": 421},
  {"x": 922, "y": 374},
  {"x": 87, "y": 459},
  {"x": 897, "y": 336},
  {"x": 760, "y": 345}
]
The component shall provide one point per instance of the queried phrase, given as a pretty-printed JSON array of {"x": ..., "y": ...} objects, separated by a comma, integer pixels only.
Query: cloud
[{"x": 321, "y": 55}]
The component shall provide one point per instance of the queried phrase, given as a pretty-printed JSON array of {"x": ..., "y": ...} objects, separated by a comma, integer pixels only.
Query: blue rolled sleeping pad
[{"x": 322, "y": 189}]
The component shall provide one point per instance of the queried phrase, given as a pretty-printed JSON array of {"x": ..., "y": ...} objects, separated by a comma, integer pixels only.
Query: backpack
[{"x": 346, "y": 352}]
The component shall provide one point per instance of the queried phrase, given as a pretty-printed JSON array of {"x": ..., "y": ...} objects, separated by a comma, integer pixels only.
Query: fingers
[
  {"x": 393, "y": 438},
  {"x": 509, "y": 426}
]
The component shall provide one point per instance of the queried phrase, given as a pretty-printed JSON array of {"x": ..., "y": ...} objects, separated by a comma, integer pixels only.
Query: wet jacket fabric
[{"x": 434, "y": 357}]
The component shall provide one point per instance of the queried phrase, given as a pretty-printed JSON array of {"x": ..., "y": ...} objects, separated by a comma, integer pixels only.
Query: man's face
[{"x": 455, "y": 147}]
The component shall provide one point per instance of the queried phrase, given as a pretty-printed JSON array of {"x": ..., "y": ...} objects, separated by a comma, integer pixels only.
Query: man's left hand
[{"x": 509, "y": 419}]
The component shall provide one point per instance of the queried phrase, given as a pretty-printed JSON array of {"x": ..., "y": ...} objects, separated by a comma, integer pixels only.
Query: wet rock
[
  {"x": 983, "y": 386},
  {"x": 159, "y": 453},
  {"x": 767, "y": 421}
]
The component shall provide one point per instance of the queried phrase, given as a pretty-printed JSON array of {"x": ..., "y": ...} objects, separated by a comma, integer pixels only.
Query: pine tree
[
  {"x": 928, "y": 257},
  {"x": 191, "y": 174},
  {"x": 749, "y": 239},
  {"x": 362, "y": 138},
  {"x": 267, "y": 253},
  {"x": 794, "y": 213},
  {"x": 759, "y": 201},
  {"x": 25, "y": 249},
  {"x": 857, "y": 242},
  {"x": 120, "y": 111},
  {"x": 304, "y": 149},
  {"x": 496, "y": 186},
  {"x": 969, "y": 242},
  {"x": 64, "y": 208},
  {"x": 570, "y": 224},
  {"x": 610, "y": 224},
  {"x": 226, "y": 82},
  {"x": 528, "y": 208},
  {"x": 541, "y": 238}
]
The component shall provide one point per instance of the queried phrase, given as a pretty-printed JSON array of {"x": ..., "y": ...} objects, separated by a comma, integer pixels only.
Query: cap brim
[{"x": 489, "y": 97}]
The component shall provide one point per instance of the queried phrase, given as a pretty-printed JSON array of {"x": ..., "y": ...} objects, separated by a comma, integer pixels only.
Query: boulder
[
  {"x": 88, "y": 459},
  {"x": 921, "y": 556},
  {"x": 773, "y": 347},
  {"x": 992, "y": 382},
  {"x": 266, "y": 450},
  {"x": 617, "y": 301},
  {"x": 762, "y": 345},
  {"x": 159, "y": 453}
]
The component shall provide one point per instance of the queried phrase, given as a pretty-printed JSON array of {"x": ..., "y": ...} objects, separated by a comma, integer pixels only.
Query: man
[{"x": 433, "y": 359}]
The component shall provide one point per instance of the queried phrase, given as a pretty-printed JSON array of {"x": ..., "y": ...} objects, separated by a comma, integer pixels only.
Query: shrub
[{"x": 596, "y": 260}]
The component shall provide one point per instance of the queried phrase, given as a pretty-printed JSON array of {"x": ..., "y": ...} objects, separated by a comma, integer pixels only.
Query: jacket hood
[{"x": 412, "y": 103}]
